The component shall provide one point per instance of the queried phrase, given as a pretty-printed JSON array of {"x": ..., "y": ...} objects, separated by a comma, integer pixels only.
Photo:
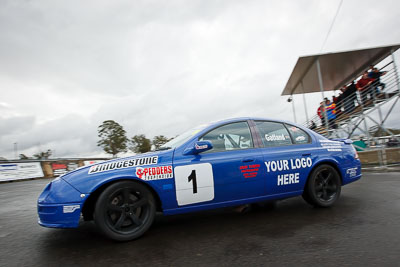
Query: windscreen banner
[
  {"x": 91, "y": 162},
  {"x": 19, "y": 171},
  {"x": 59, "y": 169}
]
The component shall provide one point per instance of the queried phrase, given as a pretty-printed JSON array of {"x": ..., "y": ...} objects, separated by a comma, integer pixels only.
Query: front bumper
[
  {"x": 54, "y": 216},
  {"x": 60, "y": 205}
]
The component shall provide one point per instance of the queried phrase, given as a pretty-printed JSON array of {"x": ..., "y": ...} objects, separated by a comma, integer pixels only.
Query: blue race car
[{"x": 227, "y": 163}]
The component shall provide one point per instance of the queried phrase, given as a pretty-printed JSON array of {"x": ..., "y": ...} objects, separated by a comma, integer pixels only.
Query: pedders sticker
[
  {"x": 154, "y": 173},
  {"x": 249, "y": 171}
]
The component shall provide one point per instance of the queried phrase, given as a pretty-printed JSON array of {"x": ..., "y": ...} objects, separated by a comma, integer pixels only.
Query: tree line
[
  {"x": 39, "y": 155},
  {"x": 113, "y": 139}
]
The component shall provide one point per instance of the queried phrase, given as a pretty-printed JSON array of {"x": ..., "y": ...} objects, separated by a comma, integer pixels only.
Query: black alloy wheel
[
  {"x": 125, "y": 210},
  {"x": 323, "y": 186}
]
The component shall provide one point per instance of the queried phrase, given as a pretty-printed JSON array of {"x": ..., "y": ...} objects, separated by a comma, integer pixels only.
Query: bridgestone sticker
[
  {"x": 123, "y": 164},
  {"x": 154, "y": 173}
]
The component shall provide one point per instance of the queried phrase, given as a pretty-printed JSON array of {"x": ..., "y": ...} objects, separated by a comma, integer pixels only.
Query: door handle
[
  {"x": 247, "y": 160},
  {"x": 306, "y": 154}
]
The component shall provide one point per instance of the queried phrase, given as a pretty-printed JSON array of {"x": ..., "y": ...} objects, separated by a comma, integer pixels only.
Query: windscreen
[{"x": 182, "y": 138}]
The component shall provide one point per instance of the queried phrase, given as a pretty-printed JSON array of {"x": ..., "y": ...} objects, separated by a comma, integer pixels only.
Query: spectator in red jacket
[
  {"x": 321, "y": 113},
  {"x": 363, "y": 86}
]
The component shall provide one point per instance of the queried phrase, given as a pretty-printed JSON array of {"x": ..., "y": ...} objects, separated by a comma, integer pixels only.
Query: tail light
[{"x": 355, "y": 152}]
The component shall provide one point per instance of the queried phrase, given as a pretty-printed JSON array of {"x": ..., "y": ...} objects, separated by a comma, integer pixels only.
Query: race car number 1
[{"x": 194, "y": 183}]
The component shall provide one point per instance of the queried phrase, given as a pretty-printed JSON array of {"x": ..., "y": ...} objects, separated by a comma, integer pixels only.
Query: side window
[
  {"x": 230, "y": 137},
  {"x": 299, "y": 136},
  {"x": 273, "y": 133}
]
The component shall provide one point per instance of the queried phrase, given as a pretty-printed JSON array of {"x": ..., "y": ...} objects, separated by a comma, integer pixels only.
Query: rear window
[
  {"x": 298, "y": 135},
  {"x": 273, "y": 133}
]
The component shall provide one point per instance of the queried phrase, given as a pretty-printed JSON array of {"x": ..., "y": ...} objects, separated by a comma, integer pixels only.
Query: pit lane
[{"x": 363, "y": 228}]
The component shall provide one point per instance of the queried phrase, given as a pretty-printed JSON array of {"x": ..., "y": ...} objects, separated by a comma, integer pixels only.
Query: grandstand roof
[{"x": 337, "y": 69}]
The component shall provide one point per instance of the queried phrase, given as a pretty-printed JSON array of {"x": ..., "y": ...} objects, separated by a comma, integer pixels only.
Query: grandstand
[{"x": 357, "y": 114}]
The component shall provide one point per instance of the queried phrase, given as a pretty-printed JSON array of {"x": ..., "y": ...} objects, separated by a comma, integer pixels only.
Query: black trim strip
[{"x": 256, "y": 135}]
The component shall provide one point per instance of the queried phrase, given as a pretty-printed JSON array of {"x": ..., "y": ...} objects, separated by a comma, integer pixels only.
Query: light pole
[{"x": 290, "y": 99}]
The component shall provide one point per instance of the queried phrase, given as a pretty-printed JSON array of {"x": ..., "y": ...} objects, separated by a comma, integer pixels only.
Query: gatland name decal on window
[
  {"x": 275, "y": 137},
  {"x": 123, "y": 164},
  {"x": 154, "y": 173}
]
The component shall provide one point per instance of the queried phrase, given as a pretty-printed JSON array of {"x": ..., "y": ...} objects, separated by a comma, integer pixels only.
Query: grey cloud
[
  {"x": 15, "y": 125},
  {"x": 66, "y": 135},
  {"x": 160, "y": 67}
]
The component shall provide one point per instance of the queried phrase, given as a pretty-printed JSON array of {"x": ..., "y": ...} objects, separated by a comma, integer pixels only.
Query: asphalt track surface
[{"x": 363, "y": 228}]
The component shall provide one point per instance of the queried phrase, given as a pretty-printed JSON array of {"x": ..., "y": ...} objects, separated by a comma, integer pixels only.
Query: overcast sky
[{"x": 161, "y": 67}]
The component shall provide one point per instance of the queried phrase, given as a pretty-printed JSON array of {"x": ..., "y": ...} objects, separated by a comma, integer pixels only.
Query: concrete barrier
[{"x": 380, "y": 156}]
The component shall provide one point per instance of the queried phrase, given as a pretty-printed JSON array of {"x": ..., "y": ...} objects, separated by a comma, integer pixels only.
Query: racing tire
[
  {"x": 323, "y": 187},
  {"x": 125, "y": 210}
]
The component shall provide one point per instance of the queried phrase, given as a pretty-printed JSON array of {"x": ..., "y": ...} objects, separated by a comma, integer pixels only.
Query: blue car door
[
  {"x": 288, "y": 156},
  {"x": 231, "y": 170}
]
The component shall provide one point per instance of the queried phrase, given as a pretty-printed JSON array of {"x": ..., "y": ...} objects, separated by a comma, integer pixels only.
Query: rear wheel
[
  {"x": 323, "y": 186},
  {"x": 124, "y": 210}
]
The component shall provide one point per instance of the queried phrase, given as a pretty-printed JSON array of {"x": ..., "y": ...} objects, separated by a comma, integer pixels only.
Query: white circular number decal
[{"x": 194, "y": 183}]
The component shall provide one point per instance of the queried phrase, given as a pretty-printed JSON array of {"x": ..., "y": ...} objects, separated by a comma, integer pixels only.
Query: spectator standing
[
  {"x": 363, "y": 86},
  {"x": 370, "y": 68},
  {"x": 313, "y": 125},
  {"x": 376, "y": 75},
  {"x": 350, "y": 97},
  {"x": 337, "y": 100},
  {"x": 331, "y": 113},
  {"x": 321, "y": 113},
  {"x": 341, "y": 99}
]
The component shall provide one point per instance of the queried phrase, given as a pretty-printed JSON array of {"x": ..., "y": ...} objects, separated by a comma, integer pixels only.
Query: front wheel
[
  {"x": 124, "y": 210},
  {"x": 323, "y": 187}
]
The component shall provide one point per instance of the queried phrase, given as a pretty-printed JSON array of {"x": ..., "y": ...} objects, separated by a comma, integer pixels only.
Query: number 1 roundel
[{"x": 194, "y": 183}]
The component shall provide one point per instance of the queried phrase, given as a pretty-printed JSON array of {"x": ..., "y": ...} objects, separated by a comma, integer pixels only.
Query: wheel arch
[
  {"x": 331, "y": 163},
  {"x": 90, "y": 202}
]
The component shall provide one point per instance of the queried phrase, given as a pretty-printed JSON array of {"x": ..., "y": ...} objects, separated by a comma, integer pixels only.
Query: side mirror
[{"x": 199, "y": 146}]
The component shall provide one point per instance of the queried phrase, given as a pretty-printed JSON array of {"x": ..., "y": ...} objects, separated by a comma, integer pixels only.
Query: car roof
[
  {"x": 248, "y": 118},
  {"x": 215, "y": 124}
]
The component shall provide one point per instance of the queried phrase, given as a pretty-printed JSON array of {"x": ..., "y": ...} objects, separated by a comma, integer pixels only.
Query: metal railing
[{"x": 356, "y": 106}]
